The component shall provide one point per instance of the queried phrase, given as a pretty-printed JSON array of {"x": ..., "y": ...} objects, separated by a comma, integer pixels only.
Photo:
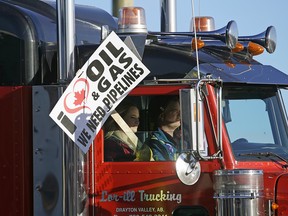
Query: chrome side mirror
[{"x": 188, "y": 168}]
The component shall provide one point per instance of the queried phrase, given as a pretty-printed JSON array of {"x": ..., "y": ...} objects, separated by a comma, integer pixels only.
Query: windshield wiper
[{"x": 267, "y": 154}]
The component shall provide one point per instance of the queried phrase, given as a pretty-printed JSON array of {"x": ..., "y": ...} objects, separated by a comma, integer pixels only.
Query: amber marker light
[
  {"x": 204, "y": 23},
  {"x": 230, "y": 64},
  {"x": 238, "y": 47},
  {"x": 132, "y": 20},
  {"x": 274, "y": 206},
  {"x": 200, "y": 44},
  {"x": 255, "y": 49}
]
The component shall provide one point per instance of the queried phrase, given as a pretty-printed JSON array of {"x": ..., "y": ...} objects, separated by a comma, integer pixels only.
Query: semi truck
[{"x": 233, "y": 149}]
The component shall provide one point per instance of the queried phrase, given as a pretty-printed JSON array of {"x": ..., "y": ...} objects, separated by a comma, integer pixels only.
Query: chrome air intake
[{"x": 239, "y": 192}]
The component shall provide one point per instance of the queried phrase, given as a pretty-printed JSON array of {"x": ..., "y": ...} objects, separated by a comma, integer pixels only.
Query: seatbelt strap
[{"x": 127, "y": 130}]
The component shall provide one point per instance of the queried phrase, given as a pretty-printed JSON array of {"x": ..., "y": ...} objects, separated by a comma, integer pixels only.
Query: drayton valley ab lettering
[
  {"x": 132, "y": 196},
  {"x": 140, "y": 209}
]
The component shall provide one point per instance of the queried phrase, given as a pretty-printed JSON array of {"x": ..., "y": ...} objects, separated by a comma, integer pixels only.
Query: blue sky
[{"x": 252, "y": 17}]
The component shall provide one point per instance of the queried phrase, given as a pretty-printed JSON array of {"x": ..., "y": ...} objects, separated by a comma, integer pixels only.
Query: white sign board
[{"x": 98, "y": 87}]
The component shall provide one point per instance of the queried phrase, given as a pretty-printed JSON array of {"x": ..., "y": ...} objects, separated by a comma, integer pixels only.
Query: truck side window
[
  {"x": 11, "y": 62},
  {"x": 151, "y": 130},
  {"x": 165, "y": 111},
  {"x": 122, "y": 142}
]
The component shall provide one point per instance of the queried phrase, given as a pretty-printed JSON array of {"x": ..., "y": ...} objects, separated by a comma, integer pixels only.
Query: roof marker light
[
  {"x": 203, "y": 23},
  {"x": 238, "y": 47},
  {"x": 230, "y": 64},
  {"x": 255, "y": 49},
  {"x": 132, "y": 20},
  {"x": 200, "y": 44}
]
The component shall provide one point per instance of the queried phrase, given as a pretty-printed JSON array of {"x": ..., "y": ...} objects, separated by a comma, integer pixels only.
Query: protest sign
[{"x": 98, "y": 87}]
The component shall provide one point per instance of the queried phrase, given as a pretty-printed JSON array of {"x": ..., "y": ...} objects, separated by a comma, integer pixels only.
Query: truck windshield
[{"x": 255, "y": 121}]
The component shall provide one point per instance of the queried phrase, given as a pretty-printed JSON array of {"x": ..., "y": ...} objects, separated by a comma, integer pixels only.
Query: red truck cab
[{"x": 233, "y": 152}]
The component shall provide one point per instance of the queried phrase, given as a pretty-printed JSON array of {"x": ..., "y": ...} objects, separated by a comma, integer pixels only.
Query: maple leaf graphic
[{"x": 79, "y": 97}]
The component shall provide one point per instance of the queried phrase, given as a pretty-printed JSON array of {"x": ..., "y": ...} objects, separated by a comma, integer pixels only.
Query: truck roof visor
[
  {"x": 132, "y": 20},
  {"x": 267, "y": 39}
]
